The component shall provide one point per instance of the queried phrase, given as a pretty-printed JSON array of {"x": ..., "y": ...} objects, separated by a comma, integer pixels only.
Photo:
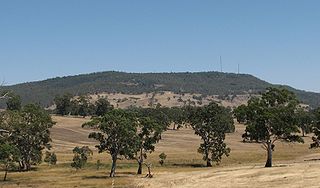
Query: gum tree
[
  {"x": 271, "y": 118},
  {"x": 211, "y": 123},
  {"x": 117, "y": 135}
]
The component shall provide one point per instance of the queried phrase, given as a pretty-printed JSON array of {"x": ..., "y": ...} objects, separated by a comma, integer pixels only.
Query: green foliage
[
  {"x": 240, "y": 113},
  {"x": 102, "y": 106},
  {"x": 80, "y": 156},
  {"x": 148, "y": 134},
  {"x": 316, "y": 129},
  {"x": 13, "y": 102},
  {"x": 272, "y": 117},
  {"x": 211, "y": 123},
  {"x": 29, "y": 132},
  {"x": 50, "y": 158},
  {"x": 9, "y": 155},
  {"x": 304, "y": 120},
  {"x": 63, "y": 104},
  {"x": 206, "y": 83},
  {"x": 162, "y": 158},
  {"x": 117, "y": 136}
]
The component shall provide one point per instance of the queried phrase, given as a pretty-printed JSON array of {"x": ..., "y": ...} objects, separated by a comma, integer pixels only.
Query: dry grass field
[{"x": 183, "y": 168}]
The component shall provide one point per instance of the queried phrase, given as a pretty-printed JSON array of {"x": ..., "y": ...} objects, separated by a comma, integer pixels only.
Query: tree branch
[{"x": 264, "y": 146}]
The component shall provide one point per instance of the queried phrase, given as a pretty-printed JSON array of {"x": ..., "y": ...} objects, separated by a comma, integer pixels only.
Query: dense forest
[{"x": 206, "y": 83}]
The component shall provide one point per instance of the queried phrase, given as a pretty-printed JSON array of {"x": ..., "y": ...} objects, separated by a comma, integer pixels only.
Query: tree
[
  {"x": 148, "y": 135},
  {"x": 304, "y": 121},
  {"x": 50, "y": 158},
  {"x": 162, "y": 158},
  {"x": 29, "y": 133},
  {"x": 177, "y": 116},
  {"x": 9, "y": 154},
  {"x": 271, "y": 118},
  {"x": 83, "y": 106},
  {"x": 63, "y": 104},
  {"x": 80, "y": 156},
  {"x": 102, "y": 106},
  {"x": 14, "y": 102},
  {"x": 316, "y": 129},
  {"x": 240, "y": 113},
  {"x": 211, "y": 123},
  {"x": 117, "y": 136}
]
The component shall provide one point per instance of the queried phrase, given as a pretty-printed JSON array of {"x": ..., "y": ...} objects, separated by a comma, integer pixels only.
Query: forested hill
[{"x": 206, "y": 83}]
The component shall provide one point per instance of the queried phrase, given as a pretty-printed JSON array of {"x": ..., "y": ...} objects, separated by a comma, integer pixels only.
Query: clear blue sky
[{"x": 278, "y": 41}]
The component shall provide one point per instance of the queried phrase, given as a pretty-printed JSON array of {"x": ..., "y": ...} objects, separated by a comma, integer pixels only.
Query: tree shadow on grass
[
  {"x": 106, "y": 176},
  {"x": 190, "y": 165}
]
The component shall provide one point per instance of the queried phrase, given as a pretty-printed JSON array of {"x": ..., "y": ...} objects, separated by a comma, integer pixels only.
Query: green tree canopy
[
  {"x": 102, "y": 106},
  {"x": 117, "y": 135},
  {"x": 211, "y": 123},
  {"x": 148, "y": 134},
  {"x": 13, "y": 102},
  {"x": 29, "y": 132},
  {"x": 271, "y": 118}
]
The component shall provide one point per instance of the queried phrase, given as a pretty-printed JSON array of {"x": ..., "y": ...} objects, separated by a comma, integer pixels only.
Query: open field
[{"x": 183, "y": 167}]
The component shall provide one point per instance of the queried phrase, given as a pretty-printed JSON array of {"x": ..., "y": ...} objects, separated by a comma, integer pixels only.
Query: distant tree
[
  {"x": 83, "y": 106},
  {"x": 102, "y": 106},
  {"x": 98, "y": 164},
  {"x": 80, "y": 157},
  {"x": 9, "y": 155},
  {"x": 240, "y": 113},
  {"x": 13, "y": 102},
  {"x": 117, "y": 136},
  {"x": 211, "y": 123},
  {"x": 316, "y": 129},
  {"x": 148, "y": 135},
  {"x": 271, "y": 118},
  {"x": 63, "y": 104},
  {"x": 178, "y": 117},
  {"x": 29, "y": 132},
  {"x": 304, "y": 121},
  {"x": 162, "y": 158},
  {"x": 50, "y": 158}
]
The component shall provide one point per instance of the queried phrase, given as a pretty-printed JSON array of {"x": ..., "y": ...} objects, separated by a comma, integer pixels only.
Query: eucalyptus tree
[
  {"x": 117, "y": 135},
  {"x": 211, "y": 123},
  {"x": 29, "y": 132},
  {"x": 148, "y": 134},
  {"x": 271, "y": 118}
]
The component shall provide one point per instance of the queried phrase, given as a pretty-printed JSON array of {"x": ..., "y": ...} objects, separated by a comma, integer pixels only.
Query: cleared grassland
[{"x": 183, "y": 167}]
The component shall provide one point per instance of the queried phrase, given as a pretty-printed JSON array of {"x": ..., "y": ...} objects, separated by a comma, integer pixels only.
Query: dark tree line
[{"x": 81, "y": 106}]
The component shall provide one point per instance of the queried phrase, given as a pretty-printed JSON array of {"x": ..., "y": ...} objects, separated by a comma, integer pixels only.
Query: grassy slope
[{"x": 183, "y": 165}]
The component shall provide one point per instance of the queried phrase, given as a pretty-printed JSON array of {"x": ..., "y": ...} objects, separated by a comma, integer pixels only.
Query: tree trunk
[
  {"x": 140, "y": 161},
  {"x": 303, "y": 132},
  {"x": 140, "y": 168},
  {"x": 113, "y": 167},
  {"x": 209, "y": 163},
  {"x": 174, "y": 126},
  {"x": 269, "y": 151},
  {"x": 5, "y": 173}
]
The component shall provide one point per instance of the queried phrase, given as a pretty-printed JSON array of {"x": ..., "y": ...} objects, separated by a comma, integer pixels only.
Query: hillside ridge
[{"x": 205, "y": 83}]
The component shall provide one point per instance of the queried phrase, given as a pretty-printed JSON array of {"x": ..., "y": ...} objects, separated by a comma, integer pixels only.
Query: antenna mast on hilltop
[{"x": 220, "y": 64}]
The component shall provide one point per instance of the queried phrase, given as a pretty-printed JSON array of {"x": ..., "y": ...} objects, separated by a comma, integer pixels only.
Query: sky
[{"x": 275, "y": 40}]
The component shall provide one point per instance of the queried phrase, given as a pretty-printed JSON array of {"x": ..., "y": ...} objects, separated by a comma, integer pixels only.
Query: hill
[{"x": 205, "y": 83}]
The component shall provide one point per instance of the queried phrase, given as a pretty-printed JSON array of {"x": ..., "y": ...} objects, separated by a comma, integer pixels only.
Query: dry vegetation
[
  {"x": 168, "y": 99},
  {"x": 183, "y": 167}
]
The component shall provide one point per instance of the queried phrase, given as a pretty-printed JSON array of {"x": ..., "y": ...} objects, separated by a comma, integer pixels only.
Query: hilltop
[{"x": 200, "y": 83}]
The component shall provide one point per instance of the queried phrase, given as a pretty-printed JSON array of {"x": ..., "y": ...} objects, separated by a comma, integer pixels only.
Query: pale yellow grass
[{"x": 243, "y": 168}]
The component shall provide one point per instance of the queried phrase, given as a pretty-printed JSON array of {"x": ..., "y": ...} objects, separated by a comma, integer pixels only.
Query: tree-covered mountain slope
[{"x": 206, "y": 83}]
